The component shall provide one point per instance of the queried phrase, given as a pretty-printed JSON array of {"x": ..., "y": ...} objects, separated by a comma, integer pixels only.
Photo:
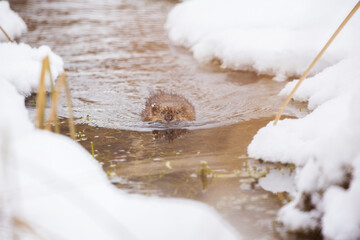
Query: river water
[{"x": 116, "y": 53}]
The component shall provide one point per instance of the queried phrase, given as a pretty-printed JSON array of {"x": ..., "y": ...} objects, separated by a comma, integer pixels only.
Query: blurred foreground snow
[
  {"x": 51, "y": 188},
  {"x": 282, "y": 37}
]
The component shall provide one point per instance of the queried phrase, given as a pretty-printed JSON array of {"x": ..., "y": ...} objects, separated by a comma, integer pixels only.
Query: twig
[
  {"x": 6, "y": 35},
  {"x": 314, "y": 61}
]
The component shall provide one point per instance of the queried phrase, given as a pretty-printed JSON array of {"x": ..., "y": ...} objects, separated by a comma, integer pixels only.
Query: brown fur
[{"x": 167, "y": 107}]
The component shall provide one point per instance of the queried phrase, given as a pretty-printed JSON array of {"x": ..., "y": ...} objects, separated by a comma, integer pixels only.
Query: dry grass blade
[
  {"x": 41, "y": 97},
  {"x": 55, "y": 98},
  {"x": 23, "y": 225},
  {"x": 6, "y": 35},
  {"x": 287, "y": 100},
  {"x": 71, "y": 116},
  {"x": 47, "y": 67},
  {"x": 55, "y": 94}
]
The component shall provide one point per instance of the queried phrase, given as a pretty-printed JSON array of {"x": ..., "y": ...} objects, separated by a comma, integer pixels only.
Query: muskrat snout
[{"x": 168, "y": 117}]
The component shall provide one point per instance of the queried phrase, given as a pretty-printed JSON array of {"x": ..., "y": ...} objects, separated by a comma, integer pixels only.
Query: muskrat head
[{"x": 168, "y": 113}]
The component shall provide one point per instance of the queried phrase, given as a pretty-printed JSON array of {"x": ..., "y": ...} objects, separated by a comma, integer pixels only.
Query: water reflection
[{"x": 169, "y": 134}]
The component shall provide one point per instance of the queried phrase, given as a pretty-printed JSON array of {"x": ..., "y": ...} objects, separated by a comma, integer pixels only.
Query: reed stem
[
  {"x": 41, "y": 98},
  {"x": 287, "y": 100},
  {"x": 6, "y": 35},
  {"x": 71, "y": 116}
]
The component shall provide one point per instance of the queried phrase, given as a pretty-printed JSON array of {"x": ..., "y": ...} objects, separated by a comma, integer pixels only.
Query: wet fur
[{"x": 167, "y": 107}]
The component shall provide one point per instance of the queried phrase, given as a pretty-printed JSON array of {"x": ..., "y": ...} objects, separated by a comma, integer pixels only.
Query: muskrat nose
[{"x": 168, "y": 117}]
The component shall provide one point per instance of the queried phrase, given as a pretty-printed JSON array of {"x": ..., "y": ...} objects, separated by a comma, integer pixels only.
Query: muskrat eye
[{"x": 154, "y": 109}]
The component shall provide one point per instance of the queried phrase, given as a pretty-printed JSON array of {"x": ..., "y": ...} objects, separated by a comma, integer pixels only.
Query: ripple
[{"x": 117, "y": 52}]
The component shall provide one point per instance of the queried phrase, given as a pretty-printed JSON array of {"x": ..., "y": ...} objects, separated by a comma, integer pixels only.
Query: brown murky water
[{"x": 115, "y": 53}]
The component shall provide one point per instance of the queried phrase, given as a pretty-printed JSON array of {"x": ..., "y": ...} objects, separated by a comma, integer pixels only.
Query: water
[{"x": 116, "y": 53}]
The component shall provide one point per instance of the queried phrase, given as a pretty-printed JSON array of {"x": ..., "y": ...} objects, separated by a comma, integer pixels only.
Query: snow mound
[
  {"x": 11, "y": 22},
  {"x": 20, "y": 64},
  {"x": 277, "y": 37},
  {"x": 338, "y": 80},
  {"x": 325, "y": 145}
]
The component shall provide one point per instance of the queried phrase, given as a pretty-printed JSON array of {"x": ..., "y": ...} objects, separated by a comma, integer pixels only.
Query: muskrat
[{"x": 167, "y": 107}]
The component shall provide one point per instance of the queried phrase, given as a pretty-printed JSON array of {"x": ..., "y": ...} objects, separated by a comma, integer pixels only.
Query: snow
[
  {"x": 278, "y": 181},
  {"x": 57, "y": 190},
  {"x": 343, "y": 207},
  {"x": 264, "y": 35},
  {"x": 325, "y": 145},
  {"x": 20, "y": 64},
  {"x": 11, "y": 22},
  {"x": 282, "y": 38}
]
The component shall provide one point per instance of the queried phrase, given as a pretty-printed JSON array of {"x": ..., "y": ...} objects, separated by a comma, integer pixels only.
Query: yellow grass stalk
[
  {"x": 314, "y": 61},
  {"x": 6, "y": 35},
  {"x": 41, "y": 98},
  {"x": 71, "y": 116},
  {"x": 47, "y": 67},
  {"x": 55, "y": 94},
  {"x": 54, "y": 100}
]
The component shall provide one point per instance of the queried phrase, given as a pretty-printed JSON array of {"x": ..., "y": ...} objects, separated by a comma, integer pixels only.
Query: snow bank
[
  {"x": 277, "y": 37},
  {"x": 20, "y": 64},
  {"x": 326, "y": 146},
  {"x": 10, "y": 21}
]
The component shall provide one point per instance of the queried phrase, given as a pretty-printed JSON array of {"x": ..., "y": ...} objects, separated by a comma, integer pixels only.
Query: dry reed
[
  {"x": 71, "y": 116},
  {"x": 278, "y": 115},
  {"x": 6, "y": 35},
  {"x": 55, "y": 94},
  {"x": 41, "y": 97}
]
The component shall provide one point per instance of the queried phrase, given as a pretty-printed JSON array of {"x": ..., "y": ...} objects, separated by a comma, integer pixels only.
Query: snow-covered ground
[
  {"x": 51, "y": 188},
  {"x": 282, "y": 37}
]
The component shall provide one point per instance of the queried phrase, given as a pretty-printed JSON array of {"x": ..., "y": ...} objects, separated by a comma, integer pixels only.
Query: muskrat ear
[{"x": 155, "y": 109}]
